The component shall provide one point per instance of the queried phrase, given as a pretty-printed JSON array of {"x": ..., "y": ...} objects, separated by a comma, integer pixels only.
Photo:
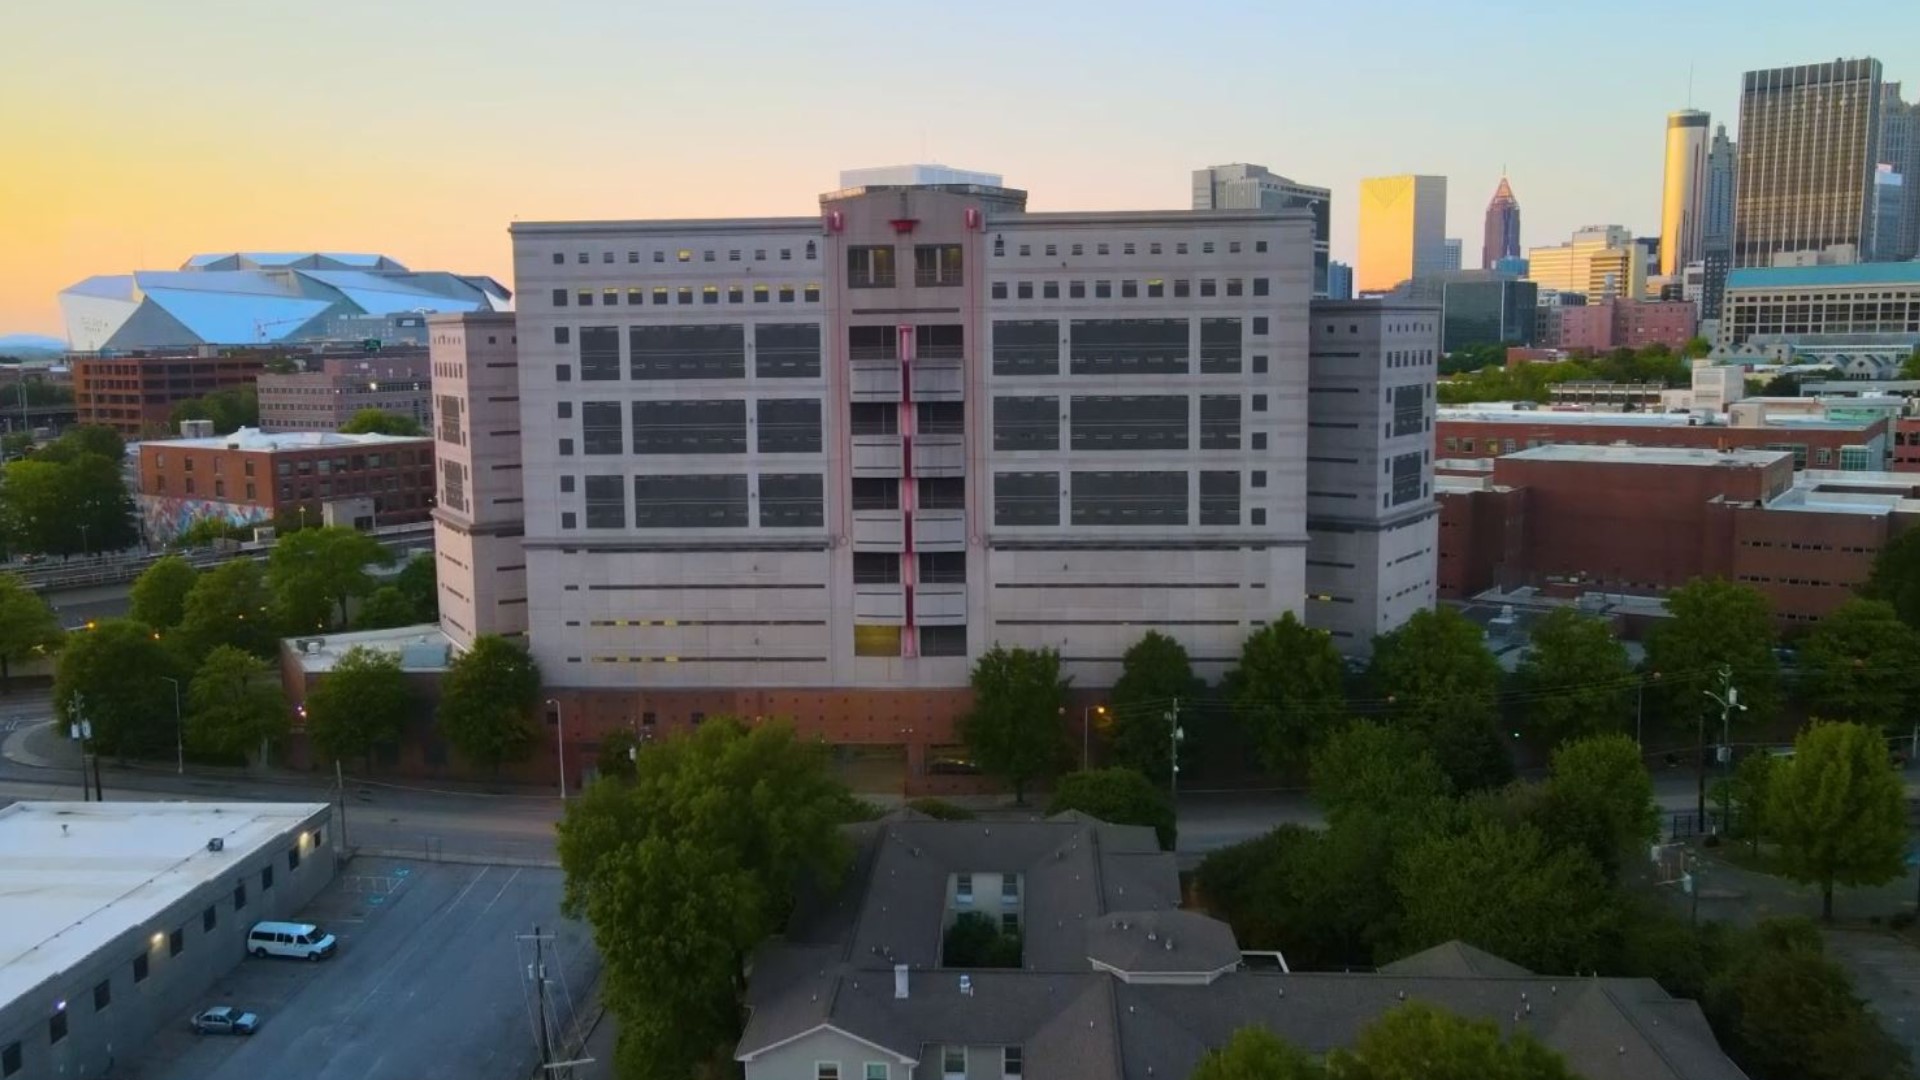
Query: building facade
[
  {"x": 1627, "y": 324},
  {"x": 1501, "y": 239},
  {"x": 1600, "y": 261},
  {"x": 136, "y": 395},
  {"x": 1889, "y": 212},
  {"x": 1403, "y": 230},
  {"x": 1487, "y": 308},
  {"x": 1255, "y": 187},
  {"x": 1809, "y": 141},
  {"x": 1470, "y": 432},
  {"x": 1841, "y": 311},
  {"x": 254, "y": 478},
  {"x": 1900, "y": 148},
  {"x": 1371, "y": 521},
  {"x": 1339, "y": 281},
  {"x": 811, "y": 467},
  {"x": 1683, "y": 191},
  {"x": 1451, "y": 251},
  {"x": 328, "y": 395},
  {"x": 479, "y": 520}
]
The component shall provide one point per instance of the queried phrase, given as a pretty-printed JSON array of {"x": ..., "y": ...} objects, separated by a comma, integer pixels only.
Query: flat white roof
[
  {"x": 424, "y": 647},
  {"x": 74, "y": 877},
  {"x": 254, "y": 439},
  {"x": 1650, "y": 455},
  {"x": 1506, "y": 413}
]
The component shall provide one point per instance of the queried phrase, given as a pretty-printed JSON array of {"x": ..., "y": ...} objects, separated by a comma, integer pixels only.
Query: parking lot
[{"x": 429, "y": 980}]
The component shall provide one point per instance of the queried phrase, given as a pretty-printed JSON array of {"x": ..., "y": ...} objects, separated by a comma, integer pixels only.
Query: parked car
[
  {"x": 302, "y": 941},
  {"x": 225, "y": 1020}
]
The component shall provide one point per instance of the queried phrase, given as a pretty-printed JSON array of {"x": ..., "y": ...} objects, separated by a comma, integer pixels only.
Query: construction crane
[{"x": 260, "y": 326}]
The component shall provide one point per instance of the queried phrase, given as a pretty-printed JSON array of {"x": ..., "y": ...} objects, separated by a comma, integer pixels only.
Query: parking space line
[
  {"x": 418, "y": 936},
  {"x": 498, "y": 895}
]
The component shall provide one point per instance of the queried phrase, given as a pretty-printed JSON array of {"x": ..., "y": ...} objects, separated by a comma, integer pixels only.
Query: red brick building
[
  {"x": 1646, "y": 520},
  {"x": 1906, "y": 445},
  {"x": 1489, "y": 432},
  {"x": 250, "y": 477},
  {"x": 135, "y": 395},
  {"x": 1626, "y": 324}
]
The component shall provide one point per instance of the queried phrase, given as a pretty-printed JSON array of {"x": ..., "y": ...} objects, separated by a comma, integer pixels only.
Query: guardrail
[{"x": 116, "y": 571}]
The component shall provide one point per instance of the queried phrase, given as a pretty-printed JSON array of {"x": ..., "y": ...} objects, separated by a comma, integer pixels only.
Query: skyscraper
[
  {"x": 1809, "y": 141},
  {"x": 1502, "y": 240},
  {"x": 1403, "y": 230},
  {"x": 1254, "y": 187},
  {"x": 1452, "y": 249},
  {"x": 1683, "y": 191},
  {"x": 1716, "y": 214},
  {"x": 1339, "y": 281},
  {"x": 1900, "y": 149}
]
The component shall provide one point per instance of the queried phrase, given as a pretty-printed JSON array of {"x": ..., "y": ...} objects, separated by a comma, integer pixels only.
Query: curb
[{"x": 457, "y": 858}]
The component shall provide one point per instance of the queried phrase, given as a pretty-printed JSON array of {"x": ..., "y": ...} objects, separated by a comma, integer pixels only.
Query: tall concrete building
[
  {"x": 1339, "y": 281},
  {"x": 478, "y": 518},
  {"x": 1403, "y": 230},
  {"x": 1600, "y": 261},
  {"x": 1254, "y": 187},
  {"x": 1809, "y": 141},
  {"x": 1451, "y": 251},
  {"x": 1372, "y": 548},
  {"x": 1502, "y": 236},
  {"x": 812, "y": 467},
  {"x": 333, "y": 388},
  {"x": 1889, "y": 214},
  {"x": 1899, "y": 149},
  {"x": 1683, "y": 191},
  {"x": 1716, "y": 223}
]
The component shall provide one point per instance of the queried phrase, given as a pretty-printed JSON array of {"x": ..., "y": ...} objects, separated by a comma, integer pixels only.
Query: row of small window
[
  {"x": 684, "y": 294},
  {"x": 1795, "y": 545},
  {"x": 12, "y": 1058},
  {"x": 1127, "y": 247},
  {"x": 1129, "y": 289},
  {"x": 953, "y": 1063},
  {"x": 1759, "y": 580},
  {"x": 685, "y": 255}
]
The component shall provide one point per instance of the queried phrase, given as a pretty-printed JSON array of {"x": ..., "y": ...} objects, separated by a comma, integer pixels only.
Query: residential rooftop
[
  {"x": 76, "y": 877},
  {"x": 256, "y": 440}
]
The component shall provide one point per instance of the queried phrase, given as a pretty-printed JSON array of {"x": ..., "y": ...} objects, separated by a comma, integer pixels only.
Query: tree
[
  {"x": 419, "y": 582},
  {"x": 1785, "y": 1011},
  {"x": 236, "y": 706},
  {"x": 684, "y": 872},
  {"x": 1367, "y": 767},
  {"x": 1838, "y": 810},
  {"x": 975, "y": 941},
  {"x": 1896, "y": 576},
  {"x": 385, "y": 607},
  {"x": 97, "y": 439},
  {"x": 1600, "y": 798},
  {"x": 1749, "y": 792},
  {"x": 316, "y": 571},
  {"x": 1288, "y": 690},
  {"x": 1861, "y": 663},
  {"x": 1506, "y": 889},
  {"x": 1576, "y": 676},
  {"x": 1696, "y": 347},
  {"x": 1714, "y": 622},
  {"x": 229, "y": 605},
  {"x": 159, "y": 594},
  {"x": 27, "y": 627},
  {"x": 1255, "y": 1053},
  {"x": 230, "y": 409},
  {"x": 941, "y": 810},
  {"x": 1910, "y": 367},
  {"x": 1439, "y": 678},
  {"x": 1153, "y": 673},
  {"x": 618, "y": 757},
  {"x": 1120, "y": 796},
  {"x": 381, "y": 422},
  {"x": 1420, "y": 1040},
  {"x": 114, "y": 676},
  {"x": 67, "y": 503},
  {"x": 1014, "y": 729},
  {"x": 358, "y": 706},
  {"x": 488, "y": 700}
]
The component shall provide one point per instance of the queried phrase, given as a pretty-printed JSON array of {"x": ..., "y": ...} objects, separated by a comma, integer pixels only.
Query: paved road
[{"x": 430, "y": 980}]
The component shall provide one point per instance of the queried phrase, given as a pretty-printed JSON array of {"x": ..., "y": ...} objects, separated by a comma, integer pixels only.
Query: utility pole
[
  {"x": 81, "y": 731},
  {"x": 179, "y": 731},
  {"x": 1729, "y": 700},
  {"x": 1174, "y": 735},
  {"x": 537, "y": 974},
  {"x": 340, "y": 792}
]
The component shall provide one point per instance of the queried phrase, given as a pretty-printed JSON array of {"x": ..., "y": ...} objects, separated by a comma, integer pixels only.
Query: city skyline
[{"x": 139, "y": 166}]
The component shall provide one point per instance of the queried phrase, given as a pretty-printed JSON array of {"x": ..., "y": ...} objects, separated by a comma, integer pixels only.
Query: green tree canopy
[
  {"x": 66, "y": 504},
  {"x": 686, "y": 870},
  {"x": 419, "y": 582},
  {"x": 230, "y": 605},
  {"x": 159, "y": 594},
  {"x": 1600, "y": 799},
  {"x": 1749, "y": 791},
  {"x": 358, "y": 706},
  {"x": 1896, "y": 576},
  {"x": 1910, "y": 367},
  {"x": 1714, "y": 622},
  {"x": 1861, "y": 663},
  {"x": 1838, "y": 810},
  {"x": 97, "y": 439},
  {"x": 1120, "y": 796},
  {"x": 1418, "y": 1041},
  {"x": 385, "y": 607},
  {"x": 1154, "y": 672},
  {"x": 27, "y": 627},
  {"x": 1506, "y": 889},
  {"x": 230, "y": 409},
  {"x": 1439, "y": 678},
  {"x": 1576, "y": 677},
  {"x": 1255, "y": 1053},
  {"x": 1784, "y": 1011},
  {"x": 1367, "y": 767},
  {"x": 1015, "y": 729},
  {"x": 488, "y": 701},
  {"x": 381, "y": 422},
  {"x": 1288, "y": 690},
  {"x": 236, "y": 707},
  {"x": 976, "y": 941},
  {"x": 314, "y": 572},
  {"x": 114, "y": 676}
]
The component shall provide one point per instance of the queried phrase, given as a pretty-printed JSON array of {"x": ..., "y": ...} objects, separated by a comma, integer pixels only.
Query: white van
[{"x": 303, "y": 941}]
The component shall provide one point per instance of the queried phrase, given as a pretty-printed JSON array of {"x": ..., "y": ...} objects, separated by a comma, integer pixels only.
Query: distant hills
[{"x": 31, "y": 345}]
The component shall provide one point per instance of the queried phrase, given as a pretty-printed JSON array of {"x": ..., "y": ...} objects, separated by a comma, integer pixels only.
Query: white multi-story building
[{"x": 814, "y": 467}]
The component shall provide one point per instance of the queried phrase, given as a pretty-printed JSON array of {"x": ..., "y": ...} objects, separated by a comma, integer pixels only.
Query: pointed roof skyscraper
[{"x": 1503, "y": 226}]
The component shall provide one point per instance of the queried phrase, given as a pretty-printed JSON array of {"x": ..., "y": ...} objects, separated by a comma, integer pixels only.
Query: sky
[{"x": 134, "y": 133}]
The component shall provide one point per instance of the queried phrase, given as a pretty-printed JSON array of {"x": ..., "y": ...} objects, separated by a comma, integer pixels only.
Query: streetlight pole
[
  {"x": 1729, "y": 700},
  {"x": 179, "y": 731},
  {"x": 1086, "y": 722},
  {"x": 1174, "y": 735},
  {"x": 560, "y": 744}
]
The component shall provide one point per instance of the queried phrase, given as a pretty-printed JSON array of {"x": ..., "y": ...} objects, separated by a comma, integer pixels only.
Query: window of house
[
  {"x": 10, "y": 1059},
  {"x": 953, "y": 1060},
  {"x": 684, "y": 294},
  {"x": 1103, "y": 290},
  {"x": 870, "y": 266},
  {"x": 811, "y": 294},
  {"x": 57, "y": 1024},
  {"x": 963, "y": 888},
  {"x": 826, "y": 1070},
  {"x": 102, "y": 994},
  {"x": 706, "y": 256},
  {"x": 659, "y": 256},
  {"x": 1009, "y": 922},
  {"x": 736, "y": 294},
  {"x": 998, "y": 290},
  {"x": 1009, "y": 889},
  {"x": 786, "y": 294},
  {"x": 1180, "y": 247},
  {"x": 1156, "y": 288},
  {"x": 140, "y": 968},
  {"x": 1103, "y": 249},
  {"x": 1234, "y": 286},
  {"x": 710, "y": 294},
  {"x": 176, "y": 942},
  {"x": 1010, "y": 1063},
  {"x": 1207, "y": 286},
  {"x": 876, "y": 1070},
  {"x": 1026, "y": 250},
  {"x": 1077, "y": 290},
  {"x": 1260, "y": 286},
  {"x": 999, "y": 246},
  {"x": 1050, "y": 290},
  {"x": 585, "y": 298},
  {"x": 1129, "y": 289},
  {"x": 209, "y": 919},
  {"x": 266, "y": 878},
  {"x": 240, "y": 896},
  {"x": 1025, "y": 291},
  {"x": 1181, "y": 288}
]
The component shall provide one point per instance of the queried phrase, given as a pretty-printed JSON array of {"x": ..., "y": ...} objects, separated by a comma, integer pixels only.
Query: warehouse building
[{"x": 116, "y": 917}]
